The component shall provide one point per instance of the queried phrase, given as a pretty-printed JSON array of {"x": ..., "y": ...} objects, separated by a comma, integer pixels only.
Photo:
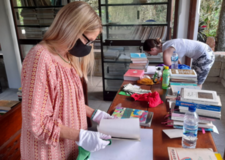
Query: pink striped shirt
[{"x": 52, "y": 95}]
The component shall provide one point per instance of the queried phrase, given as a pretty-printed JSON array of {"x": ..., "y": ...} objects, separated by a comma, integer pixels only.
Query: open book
[{"x": 121, "y": 128}]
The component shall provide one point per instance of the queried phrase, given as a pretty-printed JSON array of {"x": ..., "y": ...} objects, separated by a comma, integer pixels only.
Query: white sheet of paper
[
  {"x": 173, "y": 133},
  {"x": 121, "y": 128},
  {"x": 150, "y": 70},
  {"x": 172, "y": 104},
  {"x": 128, "y": 150}
]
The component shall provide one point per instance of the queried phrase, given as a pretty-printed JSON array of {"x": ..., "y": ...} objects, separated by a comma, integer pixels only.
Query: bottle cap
[
  {"x": 192, "y": 108},
  {"x": 166, "y": 67}
]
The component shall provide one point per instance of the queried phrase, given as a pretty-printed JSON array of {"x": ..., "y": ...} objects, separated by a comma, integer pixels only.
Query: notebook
[{"x": 133, "y": 74}]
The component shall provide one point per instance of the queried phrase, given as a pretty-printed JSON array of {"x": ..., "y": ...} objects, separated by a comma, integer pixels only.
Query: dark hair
[{"x": 151, "y": 43}]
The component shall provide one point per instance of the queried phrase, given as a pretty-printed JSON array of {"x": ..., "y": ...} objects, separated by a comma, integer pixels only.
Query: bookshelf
[
  {"x": 126, "y": 25},
  {"x": 32, "y": 19}
]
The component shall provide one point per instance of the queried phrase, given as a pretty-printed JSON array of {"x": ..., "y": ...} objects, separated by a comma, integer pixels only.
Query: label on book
[{"x": 198, "y": 106}]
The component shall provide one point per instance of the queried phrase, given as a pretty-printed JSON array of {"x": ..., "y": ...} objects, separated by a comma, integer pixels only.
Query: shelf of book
[
  {"x": 29, "y": 41},
  {"x": 33, "y": 25},
  {"x": 126, "y": 25},
  {"x": 139, "y": 24},
  {"x": 33, "y": 7},
  {"x": 113, "y": 78},
  {"x": 134, "y": 4}
]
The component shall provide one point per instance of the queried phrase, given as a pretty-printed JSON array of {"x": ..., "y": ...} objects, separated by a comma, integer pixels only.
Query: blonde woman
[{"x": 54, "y": 113}]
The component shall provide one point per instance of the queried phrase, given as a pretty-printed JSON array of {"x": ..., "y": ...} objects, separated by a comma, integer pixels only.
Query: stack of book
[
  {"x": 34, "y": 33},
  {"x": 140, "y": 66},
  {"x": 139, "y": 60},
  {"x": 30, "y": 3},
  {"x": 208, "y": 107},
  {"x": 45, "y": 15},
  {"x": 5, "y": 106},
  {"x": 153, "y": 32},
  {"x": 183, "y": 76},
  {"x": 207, "y": 102},
  {"x": 29, "y": 17}
]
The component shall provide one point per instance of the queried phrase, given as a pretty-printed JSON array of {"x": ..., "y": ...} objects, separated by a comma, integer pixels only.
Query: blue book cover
[
  {"x": 138, "y": 55},
  {"x": 198, "y": 106},
  {"x": 183, "y": 84},
  {"x": 200, "y": 129}
]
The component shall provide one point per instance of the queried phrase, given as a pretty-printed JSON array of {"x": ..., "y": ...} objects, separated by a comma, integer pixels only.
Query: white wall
[
  {"x": 183, "y": 18},
  {"x": 9, "y": 46},
  {"x": 197, "y": 19}
]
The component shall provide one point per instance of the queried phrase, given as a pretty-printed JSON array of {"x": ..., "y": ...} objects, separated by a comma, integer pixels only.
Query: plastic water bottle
[
  {"x": 190, "y": 128},
  {"x": 166, "y": 78},
  {"x": 174, "y": 60}
]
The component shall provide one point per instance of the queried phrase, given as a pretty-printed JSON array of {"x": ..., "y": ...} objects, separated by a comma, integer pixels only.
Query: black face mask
[{"x": 80, "y": 49}]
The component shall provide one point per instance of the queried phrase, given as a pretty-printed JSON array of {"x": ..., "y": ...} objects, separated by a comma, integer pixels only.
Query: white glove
[
  {"x": 99, "y": 115},
  {"x": 92, "y": 141}
]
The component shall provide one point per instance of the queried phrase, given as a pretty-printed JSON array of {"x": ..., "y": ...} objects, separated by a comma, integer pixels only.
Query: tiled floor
[{"x": 95, "y": 100}]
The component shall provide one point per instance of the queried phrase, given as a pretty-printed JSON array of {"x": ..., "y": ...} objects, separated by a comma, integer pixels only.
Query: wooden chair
[
  {"x": 10, "y": 130},
  {"x": 211, "y": 42}
]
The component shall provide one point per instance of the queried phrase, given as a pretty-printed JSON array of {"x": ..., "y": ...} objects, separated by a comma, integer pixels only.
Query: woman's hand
[
  {"x": 99, "y": 115},
  {"x": 92, "y": 141}
]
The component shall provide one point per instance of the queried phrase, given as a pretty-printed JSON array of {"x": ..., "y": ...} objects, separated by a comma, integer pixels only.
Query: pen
[{"x": 178, "y": 95}]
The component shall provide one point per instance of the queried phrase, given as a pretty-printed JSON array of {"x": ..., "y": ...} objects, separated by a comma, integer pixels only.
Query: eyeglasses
[{"x": 88, "y": 41}]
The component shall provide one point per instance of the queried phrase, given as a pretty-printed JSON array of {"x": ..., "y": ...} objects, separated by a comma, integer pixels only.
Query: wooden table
[{"x": 160, "y": 140}]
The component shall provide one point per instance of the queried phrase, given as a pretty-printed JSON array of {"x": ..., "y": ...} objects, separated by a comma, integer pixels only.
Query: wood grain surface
[{"x": 160, "y": 140}]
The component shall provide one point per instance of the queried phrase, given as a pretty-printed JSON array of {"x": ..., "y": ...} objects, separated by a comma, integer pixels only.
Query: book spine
[
  {"x": 206, "y": 129},
  {"x": 182, "y": 119},
  {"x": 204, "y": 114},
  {"x": 183, "y": 84},
  {"x": 198, "y": 106},
  {"x": 181, "y": 116}
]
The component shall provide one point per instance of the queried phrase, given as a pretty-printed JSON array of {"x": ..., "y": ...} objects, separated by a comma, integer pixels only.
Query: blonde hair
[{"x": 70, "y": 23}]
